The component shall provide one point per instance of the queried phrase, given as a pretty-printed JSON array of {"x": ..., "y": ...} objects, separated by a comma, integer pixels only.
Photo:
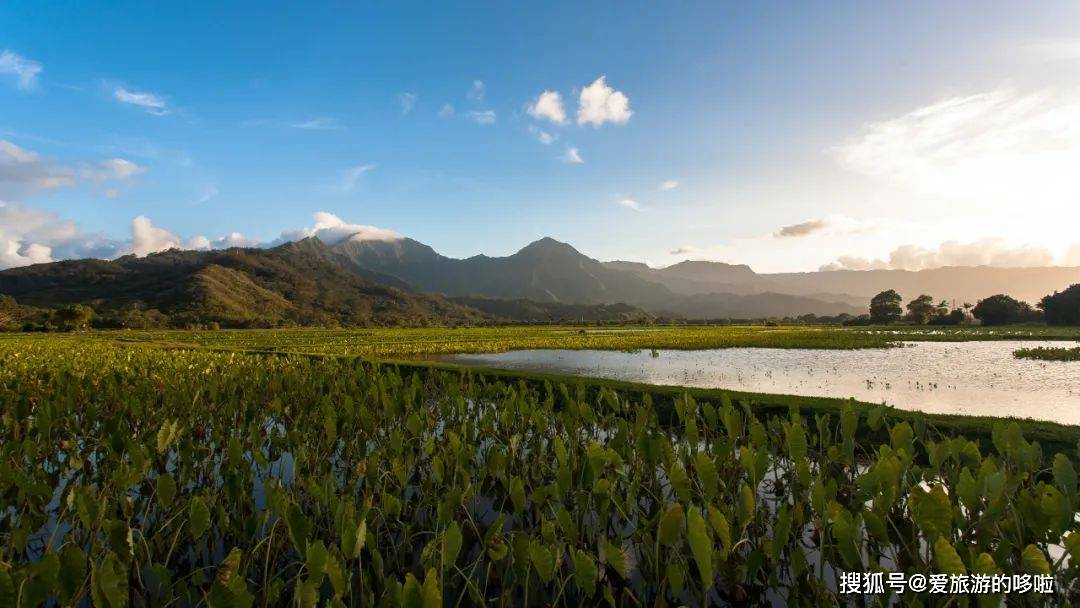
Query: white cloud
[
  {"x": 482, "y": 117},
  {"x": 407, "y": 101},
  {"x": 984, "y": 252},
  {"x": 147, "y": 238},
  {"x": 330, "y": 228},
  {"x": 1053, "y": 49},
  {"x": 150, "y": 102},
  {"x": 630, "y": 203},
  {"x": 32, "y": 236},
  {"x": 476, "y": 93},
  {"x": 1072, "y": 256},
  {"x": 446, "y": 111},
  {"x": 543, "y": 136},
  {"x": 319, "y": 123},
  {"x": 669, "y": 185},
  {"x": 571, "y": 156},
  {"x": 115, "y": 168},
  {"x": 23, "y": 171},
  {"x": 802, "y": 229},
  {"x": 548, "y": 106},
  {"x": 24, "y": 70},
  {"x": 208, "y": 193},
  {"x": 599, "y": 103},
  {"x": 988, "y": 152},
  {"x": 352, "y": 175}
]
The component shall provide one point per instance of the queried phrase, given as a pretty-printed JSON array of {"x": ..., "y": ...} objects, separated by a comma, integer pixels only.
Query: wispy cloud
[
  {"x": 482, "y": 117},
  {"x": 802, "y": 229},
  {"x": 600, "y": 103},
  {"x": 24, "y": 70},
  {"x": 319, "y": 123},
  {"x": 1001, "y": 146},
  {"x": 630, "y": 203},
  {"x": 543, "y": 136},
  {"x": 352, "y": 175},
  {"x": 668, "y": 185},
  {"x": 476, "y": 92},
  {"x": 446, "y": 111},
  {"x": 548, "y": 106},
  {"x": 1053, "y": 49},
  {"x": 571, "y": 156},
  {"x": 151, "y": 103},
  {"x": 407, "y": 101}
]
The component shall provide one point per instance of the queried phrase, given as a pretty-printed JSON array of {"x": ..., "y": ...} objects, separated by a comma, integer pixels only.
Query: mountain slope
[
  {"x": 296, "y": 283},
  {"x": 551, "y": 271}
]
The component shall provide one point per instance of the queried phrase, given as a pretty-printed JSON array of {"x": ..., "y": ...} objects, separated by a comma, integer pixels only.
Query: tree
[
  {"x": 922, "y": 309},
  {"x": 1001, "y": 309},
  {"x": 885, "y": 307},
  {"x": 8, "y": 309},
  {"x": 75, "y": 317},
  {"x": 1062, "y": 308}
]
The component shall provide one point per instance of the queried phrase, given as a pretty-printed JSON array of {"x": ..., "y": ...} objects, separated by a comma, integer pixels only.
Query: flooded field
[{"x": 971, "y": 378}]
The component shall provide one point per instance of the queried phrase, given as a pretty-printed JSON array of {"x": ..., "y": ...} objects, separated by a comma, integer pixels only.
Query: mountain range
[{"x": 357, "y": 281}]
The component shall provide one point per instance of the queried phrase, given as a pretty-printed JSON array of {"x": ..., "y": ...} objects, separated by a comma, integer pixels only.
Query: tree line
[{"x": 1058, "y": 308}]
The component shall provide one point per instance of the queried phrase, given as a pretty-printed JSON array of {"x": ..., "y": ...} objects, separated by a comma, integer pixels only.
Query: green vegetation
[
  {"x": 1043, "y": 353},
  {"x": 885, "y": 307},
  {"x": 1062, "y": 308},
  {"x": 1001, "y": 309},
  {"x": 136, "y": 475}
]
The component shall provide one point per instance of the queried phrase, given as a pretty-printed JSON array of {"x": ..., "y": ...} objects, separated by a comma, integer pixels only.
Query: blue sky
[{"x": 902, "y": 134}]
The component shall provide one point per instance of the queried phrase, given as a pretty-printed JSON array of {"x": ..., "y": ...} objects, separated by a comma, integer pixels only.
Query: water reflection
[{"x": 971, "y": 378}]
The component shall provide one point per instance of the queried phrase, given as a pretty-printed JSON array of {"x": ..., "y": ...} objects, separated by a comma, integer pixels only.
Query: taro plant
[{"x": 138, "y": 476}]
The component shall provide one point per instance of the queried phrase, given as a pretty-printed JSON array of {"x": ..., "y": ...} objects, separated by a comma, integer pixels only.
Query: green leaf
[
  {"x": 7, "y": 589},
  {"x": 166, "y": 490},
  {"x": 517, "y": 494},
  {"x": 451, "y": 544},
  {"x": 671, "y": 523},
  {"x": 700, "y": 546},
  {"x": 109, "y": 583},
  {"x": 339, "y": 579},
  {"x": 721, "y": 527},
  {"x": 72, "y": 571},
  {"x": 614, "y": 557},
  {"x": 315, "y": 556},
  {"x": 431, "y": 594},
  {"x": 198, "y": 517},
  {"x": 932, "y": 511},
  {"x": 1064, "y": 475},
  {"x": 120, "y": 538},
  {"x": 947, "y": 559},
  {"x": 543, "y": 560},
  {"x": 585, "y": 573},
  {"x": 299, "y": 527},
  {"x": 1033, "y": 561}
]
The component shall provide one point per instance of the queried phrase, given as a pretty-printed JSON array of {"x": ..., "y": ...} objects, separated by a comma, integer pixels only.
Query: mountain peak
[{"x": 548, "y": 246}]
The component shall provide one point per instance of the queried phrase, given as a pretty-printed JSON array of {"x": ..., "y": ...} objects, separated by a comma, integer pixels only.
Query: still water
[{"x": 971, "y": 378}]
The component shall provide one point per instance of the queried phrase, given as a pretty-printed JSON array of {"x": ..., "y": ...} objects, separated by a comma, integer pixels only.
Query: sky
[{"x": 787, "y": 136}]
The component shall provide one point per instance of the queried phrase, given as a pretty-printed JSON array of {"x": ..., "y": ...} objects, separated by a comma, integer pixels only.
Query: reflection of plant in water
[{"x": 138, "y": 476}]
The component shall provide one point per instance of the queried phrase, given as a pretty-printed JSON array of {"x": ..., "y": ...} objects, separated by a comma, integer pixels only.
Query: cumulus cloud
[
  {"x": 543, "y": 136},
  {"x": 802, "y": 229},
  {"x": 352, "y": 175},
  {"x": 24, "y": 171},
  {"x": 1000, "y": 147},
  {"x": 571, "y": 156},
  {"x": 476, "y": 92},
  {"x": 482, "y": 117},
  {"x": 151, "y": 103},
  {"x": 33, "y": 236},
  {"x": 407, "y": 101},
  {"x": 548, "y": 106},
  {"x": 24, "y": 70},
  {"x": 446, "y": 111},
  {"x": 599, "y": 103},
  {"x": 630, "y": 203},
  {"x": 984, "y": 252},
  {"x": 330, "y": 228},
  {"x": 668, "y": 185}
]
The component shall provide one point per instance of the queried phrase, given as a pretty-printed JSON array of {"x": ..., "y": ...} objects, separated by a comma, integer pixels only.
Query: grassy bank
[
  {"x": 397, "y": 343},
  {"x": 1043, "y": 353}
]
